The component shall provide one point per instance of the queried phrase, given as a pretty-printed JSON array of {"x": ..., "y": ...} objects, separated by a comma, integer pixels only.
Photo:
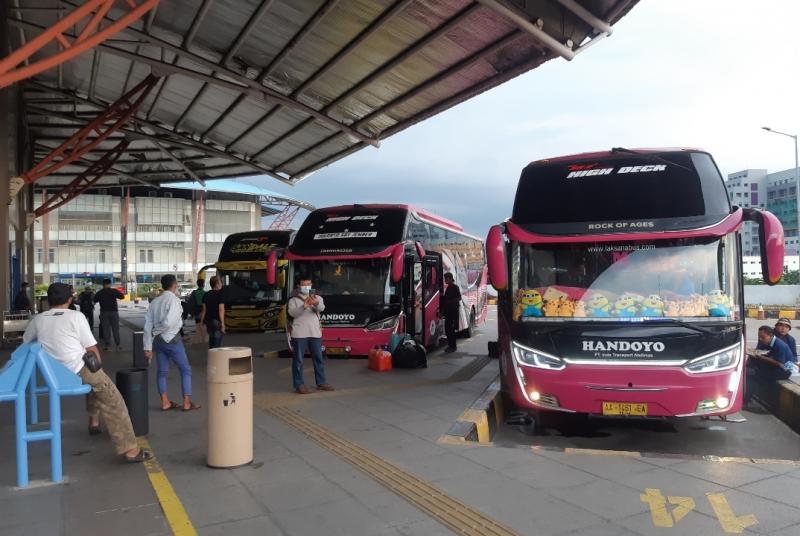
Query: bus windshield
[
  {"x": 351, "y": 282},
  {"x": 690, "y": 279},
  {"x": 249, "y": 286}
]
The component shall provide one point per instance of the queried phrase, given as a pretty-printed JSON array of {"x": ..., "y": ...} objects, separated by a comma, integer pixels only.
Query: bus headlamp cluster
[
  {"x": 387, "y": 323},
  {"x": 529, "y": 357},
  {"x": 726, "y": 359}
]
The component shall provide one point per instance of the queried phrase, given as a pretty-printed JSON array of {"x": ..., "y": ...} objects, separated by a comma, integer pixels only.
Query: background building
[
  {"x": 747, "y": 189},
  {"x": 175, "y": 229}
]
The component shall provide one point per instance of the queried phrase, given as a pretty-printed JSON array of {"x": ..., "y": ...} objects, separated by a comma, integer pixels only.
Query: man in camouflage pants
[{"x": 65, "y": 334}]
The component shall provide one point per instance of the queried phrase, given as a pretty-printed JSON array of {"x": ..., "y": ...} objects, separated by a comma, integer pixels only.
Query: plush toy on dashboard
[
  {"x": 653, "y": 305},
  {"x": 551, "y": 307},
  {"x": 567, "y": 308},
  {"x": 671, "y": 308},
  {"x": 531, "y": 302},
  {"x": 598, "y": 306},
  {"x": 718, "y": 303},
  {"x": 625, "y": 306},
  {"x": 580, "y": 309}
]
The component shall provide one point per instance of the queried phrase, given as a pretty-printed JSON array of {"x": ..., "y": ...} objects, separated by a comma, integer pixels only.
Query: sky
[{"x": 690, "y": 73}]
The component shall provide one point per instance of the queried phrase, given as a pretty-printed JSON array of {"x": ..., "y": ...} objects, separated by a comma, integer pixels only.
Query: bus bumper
[
  {"x": 354, "y": 342},
  {"x": 657, "y": 391}
]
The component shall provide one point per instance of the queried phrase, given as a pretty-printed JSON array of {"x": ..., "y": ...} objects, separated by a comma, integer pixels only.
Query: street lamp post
[{"x": 796, "y": 164}]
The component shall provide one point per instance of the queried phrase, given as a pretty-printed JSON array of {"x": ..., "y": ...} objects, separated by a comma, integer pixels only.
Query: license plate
[
  {"x": 625, "y": 408},
  {"x": 335, "y": 351}
]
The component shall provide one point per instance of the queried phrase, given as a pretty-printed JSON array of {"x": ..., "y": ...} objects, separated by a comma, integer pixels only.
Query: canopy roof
[{"x": 285, "y": 87}]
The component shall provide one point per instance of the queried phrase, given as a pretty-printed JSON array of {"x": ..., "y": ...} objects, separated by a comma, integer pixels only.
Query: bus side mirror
[
  {"x": 496, "y": 258},
  {"x": 770, "y": 235},
  {"x": 272, "y": 267},
  {"x": 398, "y": 256}
]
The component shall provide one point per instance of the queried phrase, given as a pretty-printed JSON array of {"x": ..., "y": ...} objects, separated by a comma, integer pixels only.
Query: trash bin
[
  {"x": 132, "y": 385},
  {"x": 230, "y": 407},
  {"x": 139, "y": 359}
]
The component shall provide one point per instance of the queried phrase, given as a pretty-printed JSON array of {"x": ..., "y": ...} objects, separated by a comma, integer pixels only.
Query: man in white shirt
[
  {"x": 65, "y": 335},
  {"x": 162, "y": 326}
]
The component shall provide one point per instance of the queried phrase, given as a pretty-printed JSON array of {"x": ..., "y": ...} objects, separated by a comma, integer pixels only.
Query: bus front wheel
[{"x": 470, "y": 331}]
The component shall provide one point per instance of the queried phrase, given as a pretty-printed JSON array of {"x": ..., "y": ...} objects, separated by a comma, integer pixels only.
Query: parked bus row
[{"x": 618, "y": 274}]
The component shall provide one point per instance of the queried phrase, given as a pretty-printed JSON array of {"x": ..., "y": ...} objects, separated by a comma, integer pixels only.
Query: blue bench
[{"x": 20, "y": 375}]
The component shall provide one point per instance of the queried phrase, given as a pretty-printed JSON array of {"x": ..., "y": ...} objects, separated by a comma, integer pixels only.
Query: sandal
[
  {"x": 192, "y": 407},
  {"x": 172, "y": 405},
  {"x": 95, "y": 430},
  {"x": 143, "y": 456}
]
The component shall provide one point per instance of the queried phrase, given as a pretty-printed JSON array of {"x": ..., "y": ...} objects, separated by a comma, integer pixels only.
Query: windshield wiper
[
  {"x": 649, "y": 156},
  {"x": 681, "y": 323}
]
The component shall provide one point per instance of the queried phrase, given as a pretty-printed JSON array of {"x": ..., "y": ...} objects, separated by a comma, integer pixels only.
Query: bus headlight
[
  {"x": 726, "y": 359},
  {"x": 387, "y": 323},
  {"x": 528, "y": 357}
]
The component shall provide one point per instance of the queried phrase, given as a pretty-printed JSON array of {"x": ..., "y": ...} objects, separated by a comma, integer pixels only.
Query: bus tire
[{"x": 470, "y": 331}]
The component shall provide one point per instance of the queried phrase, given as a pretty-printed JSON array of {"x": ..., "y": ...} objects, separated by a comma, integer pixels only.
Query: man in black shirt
[
  {"x": 451, "y": 306},
  {"x": 109, "y": 313},
  {"x": 86, "y": 303},
  {"x": 213, "y": 313},
  {"x": 22, "y": 302}
]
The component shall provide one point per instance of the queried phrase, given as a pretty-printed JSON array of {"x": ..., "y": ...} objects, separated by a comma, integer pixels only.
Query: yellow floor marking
[
  {"x": 729, "y": 521},
  {"x": 684, "y": 505},
  {"x": 459, "y": 517},
  {"x": 173, "y": 509},
  {"x": 601, "y": 452},
  {"x": 658, "y": 507}
]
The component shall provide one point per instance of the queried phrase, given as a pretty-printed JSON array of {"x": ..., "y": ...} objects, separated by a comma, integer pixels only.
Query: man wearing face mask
[{"x": 304, "y": 308}]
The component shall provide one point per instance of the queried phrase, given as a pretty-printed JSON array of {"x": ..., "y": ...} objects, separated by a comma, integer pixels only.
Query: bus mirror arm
[
  {"x": 272, "y": 268},
  {"x": 770, "y": 235},
  {"x": 496, "y": 258},
  {"x": 398, "y": 257}
]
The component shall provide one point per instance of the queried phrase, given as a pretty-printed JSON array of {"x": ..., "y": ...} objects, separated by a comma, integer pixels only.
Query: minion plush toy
[
  {"x": 531, "y": 302},
  {"x": 718, "y": 303},
  {"x": 625, "y": 306},
  {"x": 598, "y": 306},
  {"x": 653, "y": 305}
]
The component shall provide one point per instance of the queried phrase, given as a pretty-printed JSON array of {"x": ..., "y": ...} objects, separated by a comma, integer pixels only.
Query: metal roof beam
[
  {"x": 254, "y": 19},
  {"x": 177, "y": 161},
  {"x": 148, "y": 26},
  {"x": 171, "y": 137},
  {"x": 261, "y": 90},
  {"x": 381, "y": 70}
]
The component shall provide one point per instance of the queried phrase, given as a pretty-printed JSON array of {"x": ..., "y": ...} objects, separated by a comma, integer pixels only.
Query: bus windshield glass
[
  {"x": 353, "y": 282},
  {"x": 249, "y": 286},
  {"x": 687, "y": 279}
]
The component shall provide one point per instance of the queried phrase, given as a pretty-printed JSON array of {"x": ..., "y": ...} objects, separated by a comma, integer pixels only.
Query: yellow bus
[{"x": 252, "y": 303}]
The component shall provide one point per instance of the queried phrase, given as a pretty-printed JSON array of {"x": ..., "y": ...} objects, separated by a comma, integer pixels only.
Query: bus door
[
  {"x": 412, "y": 290},
  {"x": 431, "y": 297}
]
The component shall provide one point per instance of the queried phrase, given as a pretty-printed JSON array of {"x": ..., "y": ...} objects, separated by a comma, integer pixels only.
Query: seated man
[
  {"x": 776, "y": 364},
  {"x": 782, "y": 328},
  {"x": 65, "y": 335}
]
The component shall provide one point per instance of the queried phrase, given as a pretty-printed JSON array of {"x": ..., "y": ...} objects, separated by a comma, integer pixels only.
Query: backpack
[
  {"x": 410, "y": 354},
  {"x": 196, "y": 301}
]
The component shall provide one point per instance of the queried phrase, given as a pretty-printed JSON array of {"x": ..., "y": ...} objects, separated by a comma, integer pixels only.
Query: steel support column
[
  {"x": 5, "y": 155},
  {"x": 125, "y": 203}
]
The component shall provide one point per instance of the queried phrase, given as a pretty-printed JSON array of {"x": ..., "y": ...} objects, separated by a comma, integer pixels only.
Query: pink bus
[
  {"x": 380, "y": 270},
  {"x": 620, "y": 286}
]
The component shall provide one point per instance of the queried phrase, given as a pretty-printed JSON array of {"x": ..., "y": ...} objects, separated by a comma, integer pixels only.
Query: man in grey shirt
[{"x": 304, "y": 308}]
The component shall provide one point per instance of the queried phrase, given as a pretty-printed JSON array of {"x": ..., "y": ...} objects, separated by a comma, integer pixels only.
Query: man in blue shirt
[
  {"x": 782, "y": 332},
  {"x": 764, "y": 369}
]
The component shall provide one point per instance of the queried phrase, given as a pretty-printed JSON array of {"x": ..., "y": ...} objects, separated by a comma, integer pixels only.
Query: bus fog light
[
  {"x": 347, "y": 349},
  {"x": 722, "y": 402},
  {"x": 535, "y": 396}
]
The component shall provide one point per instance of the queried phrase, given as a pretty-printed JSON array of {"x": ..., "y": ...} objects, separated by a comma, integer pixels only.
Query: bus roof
[
  {"x": 612, "y": 152},
  {"x": 421, "y": 212}
]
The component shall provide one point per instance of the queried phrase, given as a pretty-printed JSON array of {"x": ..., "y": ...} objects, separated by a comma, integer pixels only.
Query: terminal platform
[{"x": 370, "y": 459}]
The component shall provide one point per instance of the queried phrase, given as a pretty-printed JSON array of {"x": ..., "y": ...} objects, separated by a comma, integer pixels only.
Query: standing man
[
  {"x": 22, "y": 301},
  {"x": 452, "y": 304},
  {"x": 304, "y": 308},
  {"x": 195, "y": 300},
  {"x": 764, "y": 369},
  {"x": 65, "y": 335},
  {"x": 86, "y": 303},
  {"x": 212, "y": 314},
  {"x": 162, "y": 326},
  {"x": 782, "y": 332},
  {"x": 109, "y": 313}
]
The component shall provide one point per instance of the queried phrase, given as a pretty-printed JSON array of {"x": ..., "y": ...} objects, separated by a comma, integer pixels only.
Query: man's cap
[{"x": 784, "y": 321}]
